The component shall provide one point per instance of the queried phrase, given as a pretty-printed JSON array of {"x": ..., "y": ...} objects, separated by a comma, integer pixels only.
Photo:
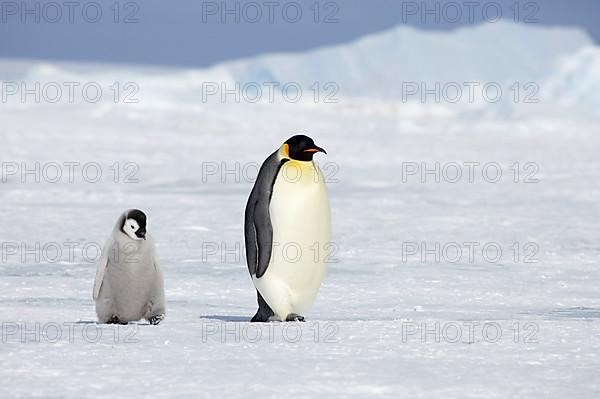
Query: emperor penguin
[
  {"x": 129, "y": 285},
  {"x": 287, "y": 230}
]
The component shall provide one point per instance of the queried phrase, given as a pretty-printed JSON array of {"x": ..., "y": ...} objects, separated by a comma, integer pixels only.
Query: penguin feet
[
  {"x": 154, "y": 320},
  {"x": 115, "y": 320},
  {"x": 294, "y": 317}
]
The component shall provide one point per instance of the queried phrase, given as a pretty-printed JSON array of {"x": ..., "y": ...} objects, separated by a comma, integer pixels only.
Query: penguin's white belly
[
  {"x": 130, "y": 282},
  {"x": 301, "y": 221},
  {"x": 132, "y": 286}
]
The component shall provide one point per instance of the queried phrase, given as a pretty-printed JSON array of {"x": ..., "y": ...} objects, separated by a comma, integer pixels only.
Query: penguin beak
[
  {"x": 141, "y": 234},
  {"x": 316, "y": 149}
]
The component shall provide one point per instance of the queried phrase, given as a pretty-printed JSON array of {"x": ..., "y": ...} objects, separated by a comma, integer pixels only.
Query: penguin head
[
  {"x": 135, "y": 224},
  {"x": 301, "y": 148}
]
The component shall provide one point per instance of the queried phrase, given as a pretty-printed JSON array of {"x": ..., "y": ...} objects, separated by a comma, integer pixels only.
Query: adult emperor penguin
[
  {"x": 287, "y": 229},
  {"x": 129, "y": 284}
]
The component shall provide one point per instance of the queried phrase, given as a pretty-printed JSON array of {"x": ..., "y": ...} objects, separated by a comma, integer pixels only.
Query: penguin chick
[{"x": 129, "y": 285}]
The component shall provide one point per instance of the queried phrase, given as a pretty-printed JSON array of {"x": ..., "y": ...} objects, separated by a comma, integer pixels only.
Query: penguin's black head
[
  {"x": 301, "y": 148},
  {"x": 135, "y": 224}
]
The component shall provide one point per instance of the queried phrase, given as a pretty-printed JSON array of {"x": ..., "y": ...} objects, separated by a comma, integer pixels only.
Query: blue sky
[{"x": 201, "y": 33}]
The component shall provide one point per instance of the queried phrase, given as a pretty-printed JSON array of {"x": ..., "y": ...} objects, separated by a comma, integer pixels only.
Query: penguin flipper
[
  {"x": 100, "y": 270},
  {"x": 250, "y": 237},
  {"x": 264, "y": 238},
  {"x": 259, "y": 238},
  {"x": 257, "y": 221}
]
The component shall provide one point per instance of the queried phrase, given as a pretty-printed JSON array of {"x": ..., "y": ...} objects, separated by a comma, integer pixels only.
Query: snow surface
[{"x": 371, "y": 298}]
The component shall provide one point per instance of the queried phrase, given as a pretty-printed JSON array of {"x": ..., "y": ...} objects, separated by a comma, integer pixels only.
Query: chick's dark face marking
[
  {"x": 135, "y": 224},
  {"x": 302, "y": 148}
]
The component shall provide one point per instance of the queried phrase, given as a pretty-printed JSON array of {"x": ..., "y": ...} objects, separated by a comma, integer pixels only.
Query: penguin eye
[{"x": 132, "y": 226}]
